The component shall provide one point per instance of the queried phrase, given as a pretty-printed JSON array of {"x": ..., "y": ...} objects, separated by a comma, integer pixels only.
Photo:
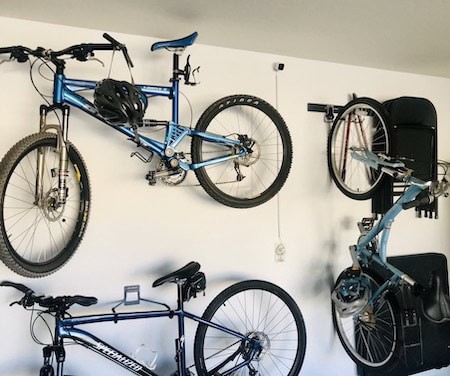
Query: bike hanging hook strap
[
  {"x": 128, "y": 65},
  {"x": 123, "y": 48}
]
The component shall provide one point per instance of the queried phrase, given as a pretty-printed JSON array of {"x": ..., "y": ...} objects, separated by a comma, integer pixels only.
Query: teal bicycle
[{"x": 365, "y": 312}]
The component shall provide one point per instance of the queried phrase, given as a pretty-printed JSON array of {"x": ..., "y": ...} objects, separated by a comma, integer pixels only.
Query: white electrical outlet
[{"x": 280, "y": 252}]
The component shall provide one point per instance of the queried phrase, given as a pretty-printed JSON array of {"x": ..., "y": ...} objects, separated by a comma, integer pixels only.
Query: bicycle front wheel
[
  {"x": 361, "y": 124},
  {"x": 38, "y": 236},
  {"x": 258, "y": 310},
  {"x": 371, "y": 337},
  {"x": 256, "y": 176}
]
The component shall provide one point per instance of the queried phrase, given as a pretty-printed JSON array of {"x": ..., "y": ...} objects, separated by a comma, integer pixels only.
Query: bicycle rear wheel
[
  {"x": 258, "y": 310},
  {"x": 362, "y": 123},
  {"x": 371, "y": 337},
  {"x": 37, "y": 237},
  {"x": 255, "y": 177}
]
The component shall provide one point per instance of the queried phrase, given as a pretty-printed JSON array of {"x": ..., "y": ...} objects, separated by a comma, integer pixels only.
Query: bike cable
[
  {"x": 44, "y": 97},
  {"x": 280, "y": 250},
  {"x": 190, "y": 109}
]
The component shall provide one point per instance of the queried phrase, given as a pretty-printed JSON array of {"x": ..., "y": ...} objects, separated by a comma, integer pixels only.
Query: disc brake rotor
[
  {"x": 51, "y": 210},
  {"x": 264, "y": 342},
  {"x": 252, "y": 157}
]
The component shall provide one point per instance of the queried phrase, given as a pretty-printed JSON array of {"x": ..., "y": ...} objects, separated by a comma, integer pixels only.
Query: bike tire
[
  {"x": 38, "y": 239},
  {"x": 362, "y": 123},
  {"x": 260, "y": 310},
  {"x": 386, "y": 315},
  {"x": 265, "y": 168}
]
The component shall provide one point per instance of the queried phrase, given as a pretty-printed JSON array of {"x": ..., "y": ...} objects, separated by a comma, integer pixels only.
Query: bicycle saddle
[
  {"x": 177, "y": 43},
  {"x": 185, "y": 272},
  {"x": 435, "y": 302}
]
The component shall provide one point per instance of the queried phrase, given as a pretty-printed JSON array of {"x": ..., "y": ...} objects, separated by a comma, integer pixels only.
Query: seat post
[
  {"x": 175, "y": 87},
  {"x": 180, "y": 342},
  {"x": 176, "y": 66},
  {"x": 180, "y": 302}
]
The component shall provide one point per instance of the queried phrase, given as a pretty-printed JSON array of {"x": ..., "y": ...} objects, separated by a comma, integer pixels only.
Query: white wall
[{"x": 136, "y": 232}]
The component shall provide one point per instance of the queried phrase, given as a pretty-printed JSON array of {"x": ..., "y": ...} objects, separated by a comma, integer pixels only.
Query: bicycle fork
[{"x": 62, "y": 173}]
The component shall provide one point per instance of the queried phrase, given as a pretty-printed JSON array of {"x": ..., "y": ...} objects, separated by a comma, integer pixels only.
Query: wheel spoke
[
  {"x": 369, "y": 336},
  {"x": 263, "y": 133},
  {"x": 360, "y": 125},
  {"x": 254, "y": 308},
  {"x": 39, "y": 235}
]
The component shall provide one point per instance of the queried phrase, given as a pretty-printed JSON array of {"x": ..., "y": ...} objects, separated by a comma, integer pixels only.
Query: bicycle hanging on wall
[
  {"x": 365, "y": 312},
  {"x": 241, "y": 153},
  {"x": 251, "y": 328}
]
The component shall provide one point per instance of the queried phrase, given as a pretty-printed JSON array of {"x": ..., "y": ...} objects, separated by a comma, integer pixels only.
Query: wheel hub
[
  {"x": 264, "y": 346},
  {"x": 253, "y": 153},
  {"x": 368, "y": 318},
  {"x": 50, "y": 207}
]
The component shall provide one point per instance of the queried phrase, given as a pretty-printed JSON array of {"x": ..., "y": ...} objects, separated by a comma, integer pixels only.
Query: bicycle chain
[{"x": 198, "y": 184}]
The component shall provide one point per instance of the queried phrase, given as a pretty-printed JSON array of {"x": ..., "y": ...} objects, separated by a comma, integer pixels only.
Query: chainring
[{"x": 176, "y": 177}]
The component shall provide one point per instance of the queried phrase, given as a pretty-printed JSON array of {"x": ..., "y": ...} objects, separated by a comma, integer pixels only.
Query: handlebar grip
[
  {"x": 17, "y": 286},
  {"x": 111, "y": 40},
  {"x": 6, "y": 50},
  {"x": 428, "y": 199},
  {"x": 84, "y": 301},
  {"x": 121, "y": 46}
]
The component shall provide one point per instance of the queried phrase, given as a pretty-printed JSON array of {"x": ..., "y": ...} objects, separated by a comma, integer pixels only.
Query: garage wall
[{"x": 137, "y": 232}]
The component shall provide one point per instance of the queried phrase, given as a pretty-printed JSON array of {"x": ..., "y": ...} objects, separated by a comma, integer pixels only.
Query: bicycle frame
[
  {"x": 66, "y": 329},
  {"x": 384, "y": 227},
  {"x": 65, "y": 92}
]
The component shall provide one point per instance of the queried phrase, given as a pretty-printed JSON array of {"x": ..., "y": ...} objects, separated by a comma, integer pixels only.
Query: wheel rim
[
  {"x": 370, "y": 335},
  {"x": 38, "y": 232},
  {"x": 262, "y": 316},
  {"x": 360, "y": 126},
  {"x": 249, "y": 176}
]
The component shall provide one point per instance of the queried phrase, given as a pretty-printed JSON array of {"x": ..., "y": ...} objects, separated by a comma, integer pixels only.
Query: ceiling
[{"x": 402, "y": 35}]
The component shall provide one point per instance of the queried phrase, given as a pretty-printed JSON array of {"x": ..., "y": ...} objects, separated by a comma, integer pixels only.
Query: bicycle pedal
[{"x": 151, "y": 177}]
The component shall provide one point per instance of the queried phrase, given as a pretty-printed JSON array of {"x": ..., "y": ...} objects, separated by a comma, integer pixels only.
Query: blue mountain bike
[
  {"x": 365, "y": 312},
  {"x": 241, "y": 153},
  {"x": 251, "y": 328}
]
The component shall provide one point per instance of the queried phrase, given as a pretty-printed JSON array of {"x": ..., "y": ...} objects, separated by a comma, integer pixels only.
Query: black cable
[
  {"x": 36, "y": 88},
  {"x": 39, "y": 315}
]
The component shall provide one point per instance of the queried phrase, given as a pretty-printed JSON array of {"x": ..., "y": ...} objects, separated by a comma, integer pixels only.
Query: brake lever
[
  {"x": 6, "y": 60},
  {"x": 92, "y": 58}
]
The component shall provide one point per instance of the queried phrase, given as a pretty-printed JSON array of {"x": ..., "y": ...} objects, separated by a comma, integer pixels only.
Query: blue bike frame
[
  {"x": 67, "y": 329},
  {"x": 363, "y": 254},
  {"x": 65, "y": 92}
]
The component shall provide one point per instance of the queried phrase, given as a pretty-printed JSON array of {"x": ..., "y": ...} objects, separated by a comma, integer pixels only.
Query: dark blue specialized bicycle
[
  {"x": 251, "y": 328},
  {"x": 241, "y": 153}
]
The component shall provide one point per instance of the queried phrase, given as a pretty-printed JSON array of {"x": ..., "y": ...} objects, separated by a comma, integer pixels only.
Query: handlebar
[
  {"x": 424, "y": 200},
  {"x": 119, "y": 46},
  {"x": 54, "y": 304},
  {"x": 398, "y": 170},
  {"x": 383, "y": 163},
  {"x": 18, "y": 286},
  {"x": 80, "y": 52}
]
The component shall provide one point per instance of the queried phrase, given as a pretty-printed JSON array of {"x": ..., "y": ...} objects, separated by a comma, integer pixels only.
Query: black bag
[
  {"x": 194, "y": 285},
  {"x": 426, "y": 345}
]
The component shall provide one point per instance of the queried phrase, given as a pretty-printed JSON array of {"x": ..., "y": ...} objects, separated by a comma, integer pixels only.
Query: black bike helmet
[{"x": 120, "y": 102}]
